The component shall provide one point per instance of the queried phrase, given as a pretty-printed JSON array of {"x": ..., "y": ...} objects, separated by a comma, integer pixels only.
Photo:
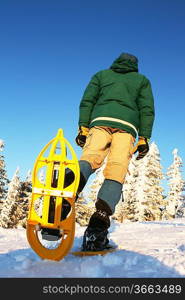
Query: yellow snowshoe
[{"x": 52, "y": 205}]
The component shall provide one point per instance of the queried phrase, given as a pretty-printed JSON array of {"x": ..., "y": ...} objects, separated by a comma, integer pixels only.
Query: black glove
[
  {"x": 142, "y": 147},
  {"x": 82, "y": 135}
]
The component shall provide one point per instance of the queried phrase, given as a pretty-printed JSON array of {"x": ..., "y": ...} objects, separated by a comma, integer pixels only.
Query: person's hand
[
  {"x": 142, "y": 147},
  {"x": 82, "y": 135}
]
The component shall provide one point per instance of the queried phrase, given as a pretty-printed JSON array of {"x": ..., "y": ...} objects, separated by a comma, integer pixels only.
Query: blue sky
[{"x": 49, "y": 51}]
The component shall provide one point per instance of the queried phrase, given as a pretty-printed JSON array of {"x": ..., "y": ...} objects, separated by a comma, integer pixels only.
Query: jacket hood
[{"x": 125, "y": 63}]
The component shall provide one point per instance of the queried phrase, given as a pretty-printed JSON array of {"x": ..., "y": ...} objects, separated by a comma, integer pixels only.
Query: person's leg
[
  {"x": 110, "y": 192},
  {"x": 116, "y": 168},
  {"x": 96, "y": 147}
]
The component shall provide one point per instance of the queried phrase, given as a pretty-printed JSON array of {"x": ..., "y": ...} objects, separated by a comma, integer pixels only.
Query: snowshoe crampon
[
  {"x": 95, "y": 242},
  {"x": 52, "y": 205},
  {"x": 108, "y": 249}
]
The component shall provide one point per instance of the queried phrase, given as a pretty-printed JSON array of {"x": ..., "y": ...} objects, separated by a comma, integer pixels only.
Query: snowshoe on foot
[
  {"x": 95, "y": 239},
  {"x": 95, "y": 236}
]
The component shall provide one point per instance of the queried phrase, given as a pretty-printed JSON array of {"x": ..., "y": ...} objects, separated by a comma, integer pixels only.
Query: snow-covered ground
[{"x": 147, "y": 249}]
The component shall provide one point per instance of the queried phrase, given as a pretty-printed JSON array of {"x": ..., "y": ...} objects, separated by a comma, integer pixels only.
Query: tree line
[{"x": 143, "y": 197}]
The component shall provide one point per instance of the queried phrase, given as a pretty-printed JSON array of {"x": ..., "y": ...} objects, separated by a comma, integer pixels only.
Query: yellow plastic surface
[
  {"x": 92, "y": 253},
  {"x": 51, "y": 160}
]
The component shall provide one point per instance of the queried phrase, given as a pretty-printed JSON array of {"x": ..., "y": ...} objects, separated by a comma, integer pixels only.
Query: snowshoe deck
[
  {"x": 50, "y": 195},
  {"x": 92, "y": 253}
]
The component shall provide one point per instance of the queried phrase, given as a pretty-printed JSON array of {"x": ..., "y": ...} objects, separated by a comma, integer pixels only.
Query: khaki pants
[{"x": 116, "y": 144}]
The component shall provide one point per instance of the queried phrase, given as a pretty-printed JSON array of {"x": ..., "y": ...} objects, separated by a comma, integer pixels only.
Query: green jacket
[{"x": 119, "y": 97}]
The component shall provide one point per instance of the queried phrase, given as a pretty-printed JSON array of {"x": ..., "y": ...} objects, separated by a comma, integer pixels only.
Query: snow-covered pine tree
[
  {"x": 41, "y": 176},
  {"x": 83, "y": 210},
  {"x": 119, "y": 211},
  {"x": 137, "y": 204},
  {"x": 124, "y": 208},
  {"x": 40, "y": 201},
  {"x": 143, "y": 199},
  {"x": 3, "y": 176},
  {"x": 96, "y": 183},
  {"x": 175, "y": 206},
  {"x": 9, "y": 205},
  {"x": 155, "y": 200},
  {"x": 180, "y": 211},
  {"x": 22, "y": 204}
]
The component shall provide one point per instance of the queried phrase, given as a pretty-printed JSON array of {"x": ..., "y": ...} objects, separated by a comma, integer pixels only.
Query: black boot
[{"x": 95, "y": 236}]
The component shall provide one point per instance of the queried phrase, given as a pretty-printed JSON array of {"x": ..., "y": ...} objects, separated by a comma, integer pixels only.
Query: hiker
[{"x": 117, "y": 107}]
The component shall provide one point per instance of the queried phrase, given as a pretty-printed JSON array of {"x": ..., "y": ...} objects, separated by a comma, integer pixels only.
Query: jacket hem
[{"x": 115, "y": 120}]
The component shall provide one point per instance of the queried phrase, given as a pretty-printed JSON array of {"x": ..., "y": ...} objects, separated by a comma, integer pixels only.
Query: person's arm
[
  {"x": 88, "y": 101},
  {"x": 145, "y": 104}
]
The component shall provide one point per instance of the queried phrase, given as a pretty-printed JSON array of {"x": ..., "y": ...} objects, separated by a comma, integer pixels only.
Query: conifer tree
[
  {"x": 143, "y": 200},
  {"x": 10, "y": 203},
  {"x": 3, "y": 177},
  {"x": 180, "y": 213},
  {"x": 41, "y": 176},
  {"x": 155, "y": 202},
  {"x": 124, "y": 208},
  {"x": 96, "y": 183},
  {"x": 139, "y": 197},
  {"x": 175, "y": 206},
  {"x": 83, "y": 209},
  {"x": 22, "y": 204}
]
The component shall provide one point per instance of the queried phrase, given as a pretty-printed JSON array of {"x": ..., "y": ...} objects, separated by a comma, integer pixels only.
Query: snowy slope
[{"x": 147, "y": 249}]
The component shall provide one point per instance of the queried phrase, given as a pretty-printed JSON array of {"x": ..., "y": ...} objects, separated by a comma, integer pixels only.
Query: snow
[{"x": 145, "y": 250}]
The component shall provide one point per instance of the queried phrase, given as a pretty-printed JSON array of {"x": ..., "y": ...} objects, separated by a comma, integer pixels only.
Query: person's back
[{"x": 119, "y": 97}]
